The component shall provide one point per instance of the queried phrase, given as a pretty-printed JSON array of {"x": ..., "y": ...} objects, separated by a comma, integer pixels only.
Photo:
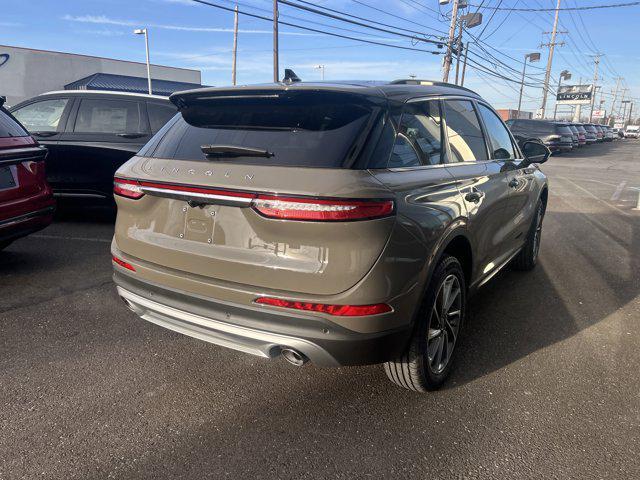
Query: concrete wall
[{"x": 29, "y": 72}]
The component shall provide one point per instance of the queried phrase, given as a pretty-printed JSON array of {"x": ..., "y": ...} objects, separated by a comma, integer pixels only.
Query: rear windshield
[
  {"x": 9, "y": 127},
  {"x": 563, "y": 130},
  {"x": 533, "y": 126},
  {"x": 312, "y": 130}
]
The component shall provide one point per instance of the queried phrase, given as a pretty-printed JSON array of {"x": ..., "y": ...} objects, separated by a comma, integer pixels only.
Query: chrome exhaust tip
[{"x": 294, "y": 357}]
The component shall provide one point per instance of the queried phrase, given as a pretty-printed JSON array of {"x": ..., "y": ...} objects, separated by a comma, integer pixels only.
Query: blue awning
[{"x": 124, "y": 83}]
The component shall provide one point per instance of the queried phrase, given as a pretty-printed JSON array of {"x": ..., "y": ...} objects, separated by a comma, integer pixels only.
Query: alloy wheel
[{"x": 444, "y": 324}]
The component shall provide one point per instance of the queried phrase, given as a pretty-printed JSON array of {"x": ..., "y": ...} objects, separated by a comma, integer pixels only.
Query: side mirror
[{"x": 535, "y": 152}]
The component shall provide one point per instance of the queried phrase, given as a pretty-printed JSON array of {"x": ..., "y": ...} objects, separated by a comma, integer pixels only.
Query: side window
[
  {"x": 465, "y": 135},
  {"x": 498, "y": 134},
  {"x": 109, "y": 116},
  {"x": 159, "y": 114},
  {"x": 42, "y": 116},
  {"x": 419, "y": 137}
]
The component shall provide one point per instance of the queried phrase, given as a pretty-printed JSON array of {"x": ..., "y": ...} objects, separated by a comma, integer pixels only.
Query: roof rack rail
[{"x": 420, "y": 81}]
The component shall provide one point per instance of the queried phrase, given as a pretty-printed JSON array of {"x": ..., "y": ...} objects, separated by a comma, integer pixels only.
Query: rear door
[
  {"x": 482, "y": 182},
  {"x": 274, "y": 204},
  {"x": 520, "y": 181},
  {"x": 103, "y": 133}
]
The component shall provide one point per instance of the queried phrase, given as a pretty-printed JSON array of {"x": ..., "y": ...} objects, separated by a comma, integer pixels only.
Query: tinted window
[
  {"x": 42, "y": 116},
  {"x": 564, "y": 130},
  {"x": 9, "y": 127},
  {"x": 419, "y": 138},
  {"x": 465, "y": 134},
  {"x": 109, "y": 116},
  {"x": 159, "y": 114},
  {"x": 310, "y": 130},
  {"x": 498, "y": 134}
]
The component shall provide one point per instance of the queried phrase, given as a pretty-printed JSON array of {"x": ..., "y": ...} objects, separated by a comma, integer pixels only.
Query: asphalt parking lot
[{"x": 547, "y": 384}]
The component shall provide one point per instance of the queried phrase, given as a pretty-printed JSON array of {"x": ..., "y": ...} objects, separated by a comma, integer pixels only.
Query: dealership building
[{"x": 25, "y": 72}]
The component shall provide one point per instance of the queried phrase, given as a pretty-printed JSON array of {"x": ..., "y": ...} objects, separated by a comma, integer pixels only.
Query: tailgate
[{"x": 224, "y": 239}]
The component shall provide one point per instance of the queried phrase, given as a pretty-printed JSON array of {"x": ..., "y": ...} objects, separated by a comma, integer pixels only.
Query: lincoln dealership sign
[
  {"x": 574, "y": 94},
  {"x": 4, "y": 58}
]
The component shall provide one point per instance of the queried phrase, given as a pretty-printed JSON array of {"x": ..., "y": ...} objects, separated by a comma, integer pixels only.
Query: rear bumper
[
  {"x": 22, "y": 225},
  {"x": 257, "y": 331}
]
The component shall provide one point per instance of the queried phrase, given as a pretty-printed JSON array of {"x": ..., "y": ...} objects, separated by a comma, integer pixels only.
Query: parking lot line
[{"x": 626, "y": 214}]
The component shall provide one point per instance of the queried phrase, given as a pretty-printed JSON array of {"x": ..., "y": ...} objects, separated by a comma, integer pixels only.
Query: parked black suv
[
  {"x": 89, "y": 134},
  {"x": 556, "y": 136}
]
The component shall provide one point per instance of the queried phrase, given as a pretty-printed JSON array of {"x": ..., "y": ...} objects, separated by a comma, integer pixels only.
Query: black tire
[
  {"x": 5, "y": 244},
  {"x": 414, "y": 369},
  {"x": 528, "y": 256}
]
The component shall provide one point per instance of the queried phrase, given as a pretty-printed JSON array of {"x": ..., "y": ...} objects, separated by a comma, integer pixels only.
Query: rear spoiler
[{"x": 3, "y": 99}]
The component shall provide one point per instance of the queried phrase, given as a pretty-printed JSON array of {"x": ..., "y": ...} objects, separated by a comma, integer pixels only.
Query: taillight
[
  {"x": 122, "y": 263},
  {"x": 337, "y": 310},
  {"x": 294, "y": 208},
  {"x": 127, "y": 188}
]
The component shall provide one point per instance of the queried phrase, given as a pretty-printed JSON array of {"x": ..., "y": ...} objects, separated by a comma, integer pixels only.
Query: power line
[
  {"x": 313, "y": 10},
  {"x": 591, "y": 7},
  {"x": 396, "y": 16},
  {"x": 315, "y": 30},
  {"x": 354, "y": 22}
]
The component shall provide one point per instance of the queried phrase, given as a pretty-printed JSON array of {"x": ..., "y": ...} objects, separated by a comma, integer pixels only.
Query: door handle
[
  {"x": 130, "y": 135},
  {"x": 44, "y": 134},
  {"x": 474, "y": 196},
  {"x": 514, "y": 183}
]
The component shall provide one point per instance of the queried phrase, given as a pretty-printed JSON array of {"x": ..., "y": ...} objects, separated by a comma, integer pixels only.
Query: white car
[{"x": 632, "y": 131}]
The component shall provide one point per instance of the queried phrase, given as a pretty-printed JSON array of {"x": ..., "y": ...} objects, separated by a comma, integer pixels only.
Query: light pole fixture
[
  {"x": 143, "y": 31},
  {"x": 532, "y": 57},
  {"x": 564, "y": 75},
  {"x": 321, "y": 68}
]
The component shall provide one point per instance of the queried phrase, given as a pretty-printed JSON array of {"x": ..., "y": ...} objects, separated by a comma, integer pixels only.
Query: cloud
[
  {"x": 10, "y": 24},
  {"x": 104, "y": 20}
]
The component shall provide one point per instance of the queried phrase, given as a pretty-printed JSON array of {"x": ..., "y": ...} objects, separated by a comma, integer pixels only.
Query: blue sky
[{"x": 185, "y": 34}]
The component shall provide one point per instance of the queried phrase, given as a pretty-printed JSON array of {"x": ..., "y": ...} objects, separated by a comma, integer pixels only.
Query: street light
[
  {"x": 143, "y": 31},
  {"x": 321, "y": 68},
  {"x": 566, "y": 76},
  {"x": 532, "y": 57},
  {"x": 470, "y": 20}
]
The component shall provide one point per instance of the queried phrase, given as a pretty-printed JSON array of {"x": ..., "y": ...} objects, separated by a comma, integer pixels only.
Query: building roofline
[
  {"x": 102, "y": 92},
  {"x": 101, "y": 58}
]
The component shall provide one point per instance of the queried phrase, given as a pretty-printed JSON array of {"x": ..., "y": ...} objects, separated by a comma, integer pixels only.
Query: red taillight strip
[
  {"x": 293, "y": 208},
  {"x": 336, "y": 310},
  {"x": 122, "y": 263},
  {"x": 267, "y": 205},
  {"x": 127, "y": 188}
]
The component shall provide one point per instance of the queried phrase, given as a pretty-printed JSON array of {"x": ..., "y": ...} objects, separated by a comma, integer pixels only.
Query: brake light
[
  {"x": 293, "y": 208},
  {"x": 127, "y": 188},
  {"x": 122, "y": 263},
  {"x": 337, "y": 310}
]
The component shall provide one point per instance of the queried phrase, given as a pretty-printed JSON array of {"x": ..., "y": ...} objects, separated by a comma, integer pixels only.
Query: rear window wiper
[{"x": 234, "y": 151}]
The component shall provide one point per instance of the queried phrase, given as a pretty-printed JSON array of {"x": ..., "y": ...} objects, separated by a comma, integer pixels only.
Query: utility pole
[
  {"x": 630, "y": 110},
  {"x": 596, "y": 62},
  {"x": 624, "y": 93},
  {"x": 464, "y": 64},
  {"x": 615, "y": 97},
  {"x": 459, "y": 51},
  {"x": 551, "y": 45},
  {"x": 452, "y": 32},
  {"x": 276, "y": 69},
  {"x": 235, "y": 44}
]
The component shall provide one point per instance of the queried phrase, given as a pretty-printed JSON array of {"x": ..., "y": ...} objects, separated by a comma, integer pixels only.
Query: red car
[{"x": 26, "y": 200}]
